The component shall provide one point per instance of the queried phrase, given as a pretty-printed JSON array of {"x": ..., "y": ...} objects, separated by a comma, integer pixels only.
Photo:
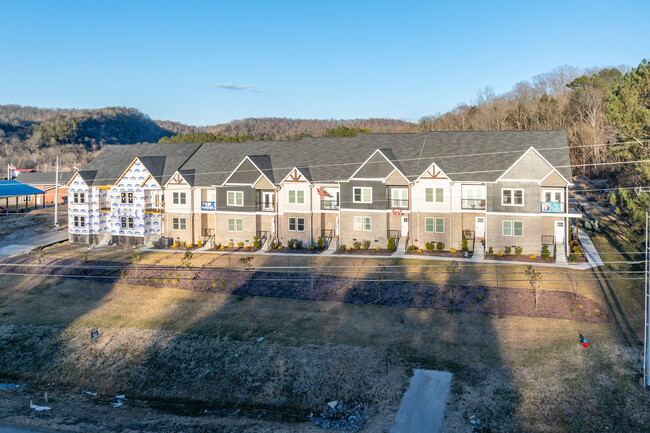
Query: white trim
[
  {"x": 513, "y": 228},
  {"x": 354, "y": 200},
  {"x": 369, "y": 158},
  {"x": 542, "y": 214},
  {"x": 512, "y": 197},
  {"x": 295, "y": 202},
  {"x": 241, "y": 213},
  {"x": 235, "y": 201},
  {"x": 433, "y": 164},
  {"x": 391, "y": 173},
  {"x": 225, "y": 182},
  {"x": 503, "y": 228},
  {"x": 435, "y": 224},
  {"x": 371, "y": 179},
  {"x": 289, "y": 174},
  {"x": 404, "y": 211},
  {"x": 170, "y": 178},
  {"x": 296, "y": 222},
  {"x": 235, "y": 225}
]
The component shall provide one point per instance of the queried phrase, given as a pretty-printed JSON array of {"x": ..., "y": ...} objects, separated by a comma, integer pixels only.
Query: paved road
[
  {"x": 28, "y": 244},
  {"x": 9, "y": 428},
  {"x": 423, "y": 406}
]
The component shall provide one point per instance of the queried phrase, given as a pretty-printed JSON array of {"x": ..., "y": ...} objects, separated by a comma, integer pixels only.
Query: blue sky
[{"x": 210, "y": 62}]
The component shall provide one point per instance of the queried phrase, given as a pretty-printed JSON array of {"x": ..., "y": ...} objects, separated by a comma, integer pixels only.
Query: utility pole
[
  {"x": 646, "y": 298},
  {"x": 56, "y": 196}
]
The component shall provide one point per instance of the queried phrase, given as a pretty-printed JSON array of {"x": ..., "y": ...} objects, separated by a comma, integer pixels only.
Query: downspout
[
  {"x": 451, "y": 216},
  {"x": 311, "y": 214},
  {"x": 192, "y": 216},
  {"x": 214, "y": 241},
  {"x": 277, "y": 215},
  {"x": 485, "y": 223},
  {"x": 408, "y": 235}
]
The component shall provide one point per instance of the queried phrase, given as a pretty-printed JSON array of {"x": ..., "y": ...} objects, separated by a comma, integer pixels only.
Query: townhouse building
[{"x": 491, "y": 188}]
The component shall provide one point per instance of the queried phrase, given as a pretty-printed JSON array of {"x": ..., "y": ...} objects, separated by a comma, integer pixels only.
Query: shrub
[
  {"x": 230, "y": 245},
  {"x": 365, "y": 245},
  {"x": 273, "y": 246},
  {"x": 573, "y": 311},
  {"x": 256, "y": 242},
  {"x": 348, "y": 249},
  {"x": 377, "y": 249},
  {"x": 453, "y": 250},
  {"x": 298, "y": 244},
  {"x": 573, "y": 258},
  {"x": 546, "y": 254},
  {"x": 291, "y": 243},
  {"x": 310, "y": 247},
  {"x": 341, "y": 247},
  {"x": 320, "y": 243},
  {"x": 499, "y": 254},
  {"x": 240, "y": 244},
  {"x": 279, "y": 247},
  {"x": 176, "y": 244},
  {"x": 440, "y": 246},
  {"x": 532, "y": 256},
  {"x": 199, "y": 244},
  {"x": 518, "y": 251},
  {"x": 419, "y": 250},
  {"x": 508, "y": 250},
  {"x": 576, "y": 250},
  {"x": 391, "y": 244},
  {"x": 356, "y": 245},
  {"x": 222, "y": 247},
  {"x": 411, "y": 248},
  {"x": 465, "y": 247},
  {"x": 429, "y": 246},
  {"x": 491, "y": 250}
]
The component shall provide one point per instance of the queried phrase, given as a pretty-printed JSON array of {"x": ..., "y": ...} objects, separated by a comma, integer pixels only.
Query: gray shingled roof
[
  {"x": 464, "y": 156},
  {"x": 164, "y": 159},
  {"x": 44, "y": 177}
]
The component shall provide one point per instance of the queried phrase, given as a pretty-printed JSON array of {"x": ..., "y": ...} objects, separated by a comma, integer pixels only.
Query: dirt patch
[
  {"x": 14, "y": 227},
  {"x": 522, "y": 258},
  {"x": 227, "y": 249},
  {"x": 368, "y": 252},
  {"x": 320, "y": 287}
]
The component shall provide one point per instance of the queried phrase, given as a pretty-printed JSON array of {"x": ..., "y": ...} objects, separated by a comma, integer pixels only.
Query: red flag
[{"x": 323, "y": 193}]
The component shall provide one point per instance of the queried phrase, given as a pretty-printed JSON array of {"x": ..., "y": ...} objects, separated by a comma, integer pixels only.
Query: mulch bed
[
  {"x": 577, "y": 260},
  {"x": 235, "y": 249},
  {"x": 180, "y": 248},
  {"x": 521, "y": 258},
  {"x": 320, "y": 287},
  {"x": 456, "y": 255},
  {"x": 368, "y": 252},
  {"x": 295, "y": 251}
]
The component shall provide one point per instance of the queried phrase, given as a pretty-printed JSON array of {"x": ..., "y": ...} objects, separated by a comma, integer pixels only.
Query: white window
[
  {"x": 473, "y": 197},
  {"x": 296, "y": 196},
  {"x": 506, "y": 228},
  {"x": 235, "y": 198},
  {"x": 79, "y": 197},
  {"x": 399, "y": 197},
  {"x": 362, "y": 224},
  {"x": 518, "y": 228},
  {"x": 79, "y": 221},
  {"x": 553, "y": 196},
  {"x": 512, "y": 197},
  {"x": 235, "y": 225},
  {"x": 428, "y": 224},
  {"x": 178, "y": 198},
  {"x": 434, "y": 195},
  {"x": 440, "y": 225},
  {"x": 362, "y": 194},
  {"x": 178, "y": 223},
  {"x": 297, "y": 224}
]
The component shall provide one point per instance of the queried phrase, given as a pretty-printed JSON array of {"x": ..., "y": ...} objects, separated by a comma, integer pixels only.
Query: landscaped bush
[
  {"x": 310, "y": 247},
  {"x": 199, "y": 244},
  {"x": 391, "y": 244},
  {"x": 320, "y": 243},
  {"x": 429, "y": 246},
  {"x": 256, "y": 242},
  {"x": 546, "y": 254},
  {"x": 518, "y": 251},
  {"x": 465, "y": 247},
  {"x": 453, "y": 250},
  {"x": 298, "y": 244},
  {"x": 356, "y": 245},
  {"x": 440, "y": 246},
  {"x": 341, "y": 247},
  {"x": 411, "y": 248},
  {"x": 532, "y": 256},
  {"x": 508, "y": 250},
  {"x": 365, "y": 245},
  {"x": 240, "y": 244},
  {"x": 273, "y": 246},
  {"x": 576, "y": 250},
  {"x": 291, "y": 243},
  {"x": 377, "y": 249},
  {"x": 230, "y": 245},
  {"x": 491, "y": 250}
]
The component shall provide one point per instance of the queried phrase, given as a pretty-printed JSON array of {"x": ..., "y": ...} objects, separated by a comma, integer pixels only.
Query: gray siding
[
  {"x": 222, "y": 199},
  {"x": 378, "y": 194},
  {"x": 532, "y": 197},
  {"x": 376, "y": 167},
  {"x": 246, "y": 173},
  {"x": 531, "y": 166}
]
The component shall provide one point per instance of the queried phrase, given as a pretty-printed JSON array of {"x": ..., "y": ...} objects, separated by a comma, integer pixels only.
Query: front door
[
  {"x": 559, "y": 232},
  {"x": 405, "y": 226},
  {"x": 479, "y": 227}
]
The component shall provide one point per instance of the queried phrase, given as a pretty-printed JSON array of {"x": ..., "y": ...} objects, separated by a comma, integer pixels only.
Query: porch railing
[
  {"x": 264, "y": 236},
  {"x": 329, "y": 204},
  {"x": 261, "y": 206},
  {"x": 397, "y": 203},
  {"x": 394, "y": 234},
  {"x": 472, "y": 203}
]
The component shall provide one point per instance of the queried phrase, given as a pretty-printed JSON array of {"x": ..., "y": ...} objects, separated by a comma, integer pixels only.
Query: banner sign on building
[
  {"x": 207, "y": 205},
  {"x": 548, "y": 206}
]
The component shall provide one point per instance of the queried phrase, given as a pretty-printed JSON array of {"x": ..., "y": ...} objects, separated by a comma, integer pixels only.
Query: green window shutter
[
  {"x": 240, "y": 225},
  {"x": 440, "y": 195},
  {"x": 428, "y": 192},
  {"x": 440, "y": 225},
  {"x": 301, "y": 196},
  {"x": 428, "y": 222}
]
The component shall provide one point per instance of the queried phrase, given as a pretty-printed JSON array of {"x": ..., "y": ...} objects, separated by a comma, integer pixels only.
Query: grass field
[{"x": 172, "y": 345}]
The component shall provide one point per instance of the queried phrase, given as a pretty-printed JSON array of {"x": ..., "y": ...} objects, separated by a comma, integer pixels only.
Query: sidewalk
[{"x": 30, "y": 243}]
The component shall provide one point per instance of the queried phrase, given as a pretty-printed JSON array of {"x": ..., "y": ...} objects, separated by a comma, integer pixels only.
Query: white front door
[
  {"x": 405, "y": 226},
  {"x": 559, "y": 232},
  {"x": 479, "y": 227}
]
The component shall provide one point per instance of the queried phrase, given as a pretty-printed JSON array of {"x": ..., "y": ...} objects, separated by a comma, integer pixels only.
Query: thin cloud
[
  {"x": 257, "y": 91},
  {"x": 231, "y": 86}
]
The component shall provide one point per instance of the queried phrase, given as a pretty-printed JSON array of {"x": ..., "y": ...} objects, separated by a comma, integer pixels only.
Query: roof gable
[
  {"x": 378, "y": 167},
  {"x": 294, "y": 176},
  {"x": 246, "y": 173}
]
